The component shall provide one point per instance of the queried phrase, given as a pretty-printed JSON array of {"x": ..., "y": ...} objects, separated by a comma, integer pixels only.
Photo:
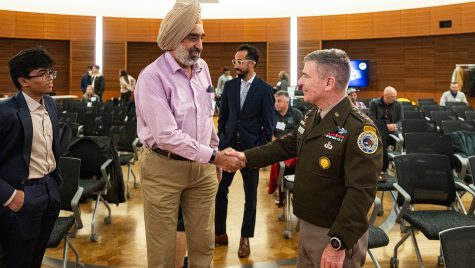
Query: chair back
[
  {"x": 69, "y": 169},
  {"x": 438, "y": 116},
  {"x": 412, "y": 114},
  {"x": 418, "y": 125},
  {"x": 427, "y": 178},
  {"x": 426, "y": 101},
  {"x": 91, "y": 154},
  {"x": 429, "y": 108},
  {"x": 458, "y": 246},
  {"x": 451, "y": 104},
  {"x": 461, "y": 109},
  {"x": 453, "y": 125},
  {"x": 68, "y": 118},
  {"x": 430, "y": 143},
  {"x": 469, "y": 116}
]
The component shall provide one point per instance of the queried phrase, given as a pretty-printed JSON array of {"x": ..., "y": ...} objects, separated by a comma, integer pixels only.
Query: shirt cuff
[
  {"x": 204, "y": 154},
  {"x": 10, "y": 199}
]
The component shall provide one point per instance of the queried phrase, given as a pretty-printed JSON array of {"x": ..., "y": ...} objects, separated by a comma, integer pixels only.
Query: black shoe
[{"x": 185, "y": 262}]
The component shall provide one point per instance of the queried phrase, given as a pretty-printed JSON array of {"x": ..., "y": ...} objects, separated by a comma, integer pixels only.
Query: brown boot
[
  {"x": 244, "y": 248},
  {"x": 221, "y": 240}
]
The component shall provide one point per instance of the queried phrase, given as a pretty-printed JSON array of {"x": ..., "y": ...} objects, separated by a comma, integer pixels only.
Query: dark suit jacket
[
  {"x": 377, "y": 107},
  {"x": 16, "y": 135},
  {"x": 253, "y": 122},
  {"x": 99, "y": 84}
]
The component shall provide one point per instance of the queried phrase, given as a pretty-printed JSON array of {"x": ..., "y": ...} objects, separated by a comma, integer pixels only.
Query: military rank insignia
[{"x": 368, "y": 140}]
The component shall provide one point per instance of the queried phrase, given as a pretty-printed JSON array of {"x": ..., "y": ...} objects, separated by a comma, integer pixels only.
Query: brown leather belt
[{"x": 169, "y": 154}]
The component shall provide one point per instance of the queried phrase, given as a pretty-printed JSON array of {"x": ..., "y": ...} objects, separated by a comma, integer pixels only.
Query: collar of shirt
[
  {"x": 176, "y": 67},
  {"x": 328, "y": 109},
  {"x": 249, "y": 82},
  {"x": 32, "y": 104}
]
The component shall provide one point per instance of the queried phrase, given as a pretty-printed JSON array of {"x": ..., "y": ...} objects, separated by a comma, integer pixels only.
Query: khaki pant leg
[
  {"x": 198, "y": 204},
  {"x": 163, "y": 180}
]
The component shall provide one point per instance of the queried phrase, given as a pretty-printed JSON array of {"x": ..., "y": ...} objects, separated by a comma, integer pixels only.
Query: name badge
[
  {"x": 280, "y": 126},
  {"x": 301, "y": 130}
]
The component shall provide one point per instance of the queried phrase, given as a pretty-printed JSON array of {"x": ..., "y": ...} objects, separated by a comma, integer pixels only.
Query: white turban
[{"x": 178, "y": 23}]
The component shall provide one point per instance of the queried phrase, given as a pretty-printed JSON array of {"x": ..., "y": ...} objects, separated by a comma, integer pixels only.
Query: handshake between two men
[{"x": 230, "y": 160}]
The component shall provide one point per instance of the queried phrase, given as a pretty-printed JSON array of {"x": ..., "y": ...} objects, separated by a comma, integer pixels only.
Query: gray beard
[{"x": 184, "y": 56}]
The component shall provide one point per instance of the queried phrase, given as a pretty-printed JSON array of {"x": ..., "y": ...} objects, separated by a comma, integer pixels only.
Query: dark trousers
[
  {"x": 250, "y": 181},
  {"x": 25, "y": 234}
]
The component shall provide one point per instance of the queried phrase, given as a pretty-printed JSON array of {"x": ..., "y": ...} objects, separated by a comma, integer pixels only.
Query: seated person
[
  {"x": 388, "y": 110},
  {"x": 89, "y": 96},
  {"x": 285, "y": 120},
  {"x": 353, "y": 97},
  {"x": 452, "y": 95}
]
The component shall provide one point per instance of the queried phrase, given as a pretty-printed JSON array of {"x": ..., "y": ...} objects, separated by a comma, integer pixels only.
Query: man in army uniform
[{"x": 340, "y": 157}]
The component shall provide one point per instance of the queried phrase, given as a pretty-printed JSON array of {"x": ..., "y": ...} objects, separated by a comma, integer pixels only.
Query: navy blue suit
[
  {"x": 24, "y": 234},
  {"x": 254, "y": 124}
]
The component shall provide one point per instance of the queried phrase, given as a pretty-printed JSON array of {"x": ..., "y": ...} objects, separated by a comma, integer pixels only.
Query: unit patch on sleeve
[{"x": 368, "y": 142}]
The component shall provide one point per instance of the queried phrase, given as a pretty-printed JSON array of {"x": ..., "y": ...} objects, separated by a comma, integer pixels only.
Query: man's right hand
[
  {"x": 17, "y": 202},
  {"x": 229, "y": 163}
]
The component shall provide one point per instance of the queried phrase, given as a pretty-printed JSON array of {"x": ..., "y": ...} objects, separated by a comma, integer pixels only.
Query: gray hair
[
  {"x": 282, "y": 93},
  {"x": 334, "y": 62}
]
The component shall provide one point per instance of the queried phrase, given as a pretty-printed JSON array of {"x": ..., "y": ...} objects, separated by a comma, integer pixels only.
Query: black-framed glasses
[
  {"x": 47, "y": 74},
  {"x": 239, "y": 62}
]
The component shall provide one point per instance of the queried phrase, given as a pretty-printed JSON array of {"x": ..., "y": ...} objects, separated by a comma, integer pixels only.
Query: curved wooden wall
[{"x": 123, "y": 35}]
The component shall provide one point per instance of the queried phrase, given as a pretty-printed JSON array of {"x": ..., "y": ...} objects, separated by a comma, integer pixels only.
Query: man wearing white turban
[{"x": 174, "y": 105}]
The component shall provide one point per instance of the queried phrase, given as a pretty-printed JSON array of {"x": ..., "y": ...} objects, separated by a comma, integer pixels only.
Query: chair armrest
[
  {"x": 134, "y": 147},
  {"x": 280, "y": 178},
  {"x": 105, "y": 175},
  {"x": 80, "y": 130},
  {"x": 399, "y": 142},
  {"x": 75, "y": 207},
  {"x": 376, "y": 209},
  {"x": 470, "y": 189},
  {"x": 463, "y": 166},
  {"x": 407, "y": 201}
]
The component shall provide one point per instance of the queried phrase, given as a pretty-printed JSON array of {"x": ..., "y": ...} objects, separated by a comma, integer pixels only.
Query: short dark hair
[
  {"x": 252, "y": 52},
  {"x": 89, "y": 67},
  {"x": 225, "y": 69},
  {"x": 28, "y": 60}
]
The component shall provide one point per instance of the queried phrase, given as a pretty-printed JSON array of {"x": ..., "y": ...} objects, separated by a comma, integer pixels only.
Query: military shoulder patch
[
  {"x": 368, "y": 142},
  {"x": 369, "y": 128}
]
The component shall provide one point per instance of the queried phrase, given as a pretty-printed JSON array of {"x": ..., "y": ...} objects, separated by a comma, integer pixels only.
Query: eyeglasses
[
  {"x": 47, "y": 74},
  {"x": 240, "y": 62}
]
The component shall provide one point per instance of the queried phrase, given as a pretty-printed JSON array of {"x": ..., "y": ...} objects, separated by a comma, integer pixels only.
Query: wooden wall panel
[
  {"x": 138, "y": 30},
  {"x": 415, "y": 22},
  {"x": 309, "y": 28},
  {"x": 82, "y": 55},
  {"x": 305, "y": 47},
  {"x": 387, "y": 24},
  {"x": 360, "y": 26},
  {"x": 468, "y": 17},
  {"x": 212, "y": 31},
  {"x": 278, "y": 56},
  {"x": 141, "y": 54},
  {"x": 7, "y": 27},
  {"x": 83, "y": 28},
  {"x": 335, "y": 27},
  {"x": 255, "y": 30},
  {"x": 278, "y": 30},
  {"x": 418, "y": 67},
  {"x": 451, "y": 12},
  {"x": 29, "y": 25},
  {"x": 114, "y": 29},
  {"x": 57, "y": 27},
  {"x": 114, "y": 60},
  {"x": 154, "y": 27},
  {"x": 59, "y": 50},
  {"x": 231, "y": 30}
]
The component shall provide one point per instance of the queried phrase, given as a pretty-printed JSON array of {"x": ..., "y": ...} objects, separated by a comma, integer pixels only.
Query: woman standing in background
[{"x": 127, "y": 86}]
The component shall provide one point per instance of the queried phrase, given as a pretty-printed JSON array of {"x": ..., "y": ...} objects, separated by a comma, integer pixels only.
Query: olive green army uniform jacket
[{"x": 339, "y": 161}]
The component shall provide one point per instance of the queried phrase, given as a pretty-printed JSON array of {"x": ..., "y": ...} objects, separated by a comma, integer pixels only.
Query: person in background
[
  {"x": 175, "y": 124},
  {"x": 245, "y": 121},
  {"x": 283, "y": 81},
  {"x": 339, "y": 163},
  {"x": 89, "y": 96},
  {"x": 388, "y": 110},
  {"x": 86, "y": 79},
  {"x": 127, "y": 86},
  {"x": 226, "y": 76},
  {"x": 452, "y": 95},
  {"x": 352, "y": 94},
  {"x": 97, "y": 81},
  {"x": 29, "y": 178},
  {"x": 285, "y": 120}
]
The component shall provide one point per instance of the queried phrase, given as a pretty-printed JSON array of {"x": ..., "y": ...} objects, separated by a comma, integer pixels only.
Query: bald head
[{"x": 389, "y": 95}]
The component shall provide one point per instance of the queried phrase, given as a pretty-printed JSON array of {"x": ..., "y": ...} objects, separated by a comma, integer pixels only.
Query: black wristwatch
[
  {"x": 336, "y": 244},
  {"x": 213, "y": 156}
]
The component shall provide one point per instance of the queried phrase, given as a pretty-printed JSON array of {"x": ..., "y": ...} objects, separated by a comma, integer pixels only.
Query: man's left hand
[
  {"x": 332, "y": 258},
  {"x": 219, "y": 173}
]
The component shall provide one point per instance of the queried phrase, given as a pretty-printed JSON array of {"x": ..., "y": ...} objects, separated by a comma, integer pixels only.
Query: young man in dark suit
[
  {"x": 245, "y": 121},
  {"x": 29, "y": 179}
]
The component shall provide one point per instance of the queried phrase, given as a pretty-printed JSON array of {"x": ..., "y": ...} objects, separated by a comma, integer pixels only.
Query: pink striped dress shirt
[{"x": 175, "y": 112}]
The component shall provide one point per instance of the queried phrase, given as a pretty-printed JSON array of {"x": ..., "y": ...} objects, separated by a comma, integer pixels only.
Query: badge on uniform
[
  {"x": 368, "y": 140},
  {"x": 324, "y": 162},
  {"x": 301, "y": 130}
]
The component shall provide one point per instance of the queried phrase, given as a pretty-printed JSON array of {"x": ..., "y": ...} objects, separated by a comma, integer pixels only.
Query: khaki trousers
[
  {"x": 313, "y": 240},
  {"x": 167, "y": 183}
]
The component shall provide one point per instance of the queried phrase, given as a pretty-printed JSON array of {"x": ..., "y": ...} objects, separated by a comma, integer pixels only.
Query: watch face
[{"x": 335, "y": 242}]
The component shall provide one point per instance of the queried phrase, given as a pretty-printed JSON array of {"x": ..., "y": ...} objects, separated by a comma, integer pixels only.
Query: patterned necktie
[{"x": 244, "y": 90}]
